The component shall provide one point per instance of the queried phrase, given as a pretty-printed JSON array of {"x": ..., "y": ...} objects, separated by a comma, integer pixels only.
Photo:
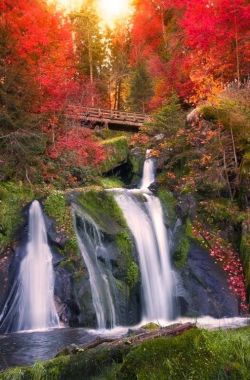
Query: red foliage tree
[
  {"x": 80, "y": 148},
  {"x": 44, "y": 40}
]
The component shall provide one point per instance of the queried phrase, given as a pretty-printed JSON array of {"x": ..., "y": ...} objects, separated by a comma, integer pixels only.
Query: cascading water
[
  {"x": 148, "y": 172},
  {"x": 30, "y": 305},
  {"x": 91, "y": 246},
  {"x": 146, "y": 222}
]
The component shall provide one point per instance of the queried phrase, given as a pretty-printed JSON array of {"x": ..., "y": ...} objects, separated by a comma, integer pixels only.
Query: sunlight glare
[{"x": 112, "y": 10}]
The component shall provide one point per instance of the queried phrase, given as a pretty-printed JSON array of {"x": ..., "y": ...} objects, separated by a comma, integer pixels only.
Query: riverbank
[{"x": 174, "y": 352}]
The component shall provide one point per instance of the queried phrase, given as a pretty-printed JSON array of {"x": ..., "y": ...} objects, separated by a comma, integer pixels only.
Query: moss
[
  {"x": 57, "y": 208},
  {"x": 111, "y": 182},
  {"x": 245, "y": 252},
  {"x": 13, "y": 197},
  {"x": 133, "y": 274},
  {"x": 137, "y": 162},
  {"x": 103, "y": 209},
  {"x": 169, "y": 203},
  {"x": 124, "y": 244},
  {"x": 194, "y": 355},
  {"x": 216, "y": 211},
  {"x": 181, "y": 253},
  {"x": 117, "y": 153},
  {"x": 151, "y": 326}
]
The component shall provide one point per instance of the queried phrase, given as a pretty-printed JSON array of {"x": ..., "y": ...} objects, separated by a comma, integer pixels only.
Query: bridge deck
[{"x": 111, "y": 118}]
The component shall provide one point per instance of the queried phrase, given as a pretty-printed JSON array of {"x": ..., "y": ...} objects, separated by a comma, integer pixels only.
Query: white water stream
[
  {"x": 146, "y": 222},
  {"x": 30, "y": 305},
  {"x": 90, "y": 243}
]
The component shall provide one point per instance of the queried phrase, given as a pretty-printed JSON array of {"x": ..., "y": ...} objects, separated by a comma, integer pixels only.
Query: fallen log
[{"x": 132, "y": 340}]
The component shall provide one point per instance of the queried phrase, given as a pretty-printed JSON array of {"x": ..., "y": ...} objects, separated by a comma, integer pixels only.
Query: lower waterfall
[
  {"x": 90, "y": 244},
  {"x": 147, "y": 226},
  {"x": 30, "y": 305},
  {"x": 146, "y": 222}
]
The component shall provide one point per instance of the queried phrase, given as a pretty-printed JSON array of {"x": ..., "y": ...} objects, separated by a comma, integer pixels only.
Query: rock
[
  {"x": 154, "y": 188},
  {"x": 159, "y": 137},
  {"x": 186, "y": 206},
  {"x": 206, "y": 288},
  {"x": 193, "y": 117}
]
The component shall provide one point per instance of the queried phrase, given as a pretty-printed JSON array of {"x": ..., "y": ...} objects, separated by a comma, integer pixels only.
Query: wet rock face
[
  {"x": 186, "y": 206},
  {"x": 5, "y": 261},
  {"x": 205, "y": 287}
]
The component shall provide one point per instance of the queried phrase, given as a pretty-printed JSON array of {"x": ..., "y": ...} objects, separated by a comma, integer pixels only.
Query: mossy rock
[
  {"x": 195, "y": 354},
  {"x": 182, "y": 248},
  {"x": 117, "y": 153},
  {"x": 151, "y": 326},
  {"x": 217, "y": 211},
  {"x": 169, "y": 203},
  {"x": 103, "y": 209},
  {"x": 13, "y": 197},
  {"x": 58, "y": 208},
  {"x": 245, "y": 252}
]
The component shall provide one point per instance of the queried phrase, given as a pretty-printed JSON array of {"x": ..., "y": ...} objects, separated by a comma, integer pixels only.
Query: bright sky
[{"x": 110, "y": 10}]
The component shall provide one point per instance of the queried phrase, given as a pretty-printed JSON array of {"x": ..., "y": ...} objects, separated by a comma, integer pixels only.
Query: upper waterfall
[
  {"x": 148, "y": 172},
  {"x": 30, "y": 305}
]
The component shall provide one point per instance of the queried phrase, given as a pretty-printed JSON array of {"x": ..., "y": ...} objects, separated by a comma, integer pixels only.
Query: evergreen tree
[
  {"x": 140, "y": 89},
  {"x": 89, "y": 42}
]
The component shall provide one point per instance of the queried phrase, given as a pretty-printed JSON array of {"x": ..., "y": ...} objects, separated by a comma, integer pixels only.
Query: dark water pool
[{"x": 27, "y": 348}]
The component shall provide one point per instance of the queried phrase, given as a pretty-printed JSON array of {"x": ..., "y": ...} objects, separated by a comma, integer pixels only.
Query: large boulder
[{"x": 206, "y": 291}]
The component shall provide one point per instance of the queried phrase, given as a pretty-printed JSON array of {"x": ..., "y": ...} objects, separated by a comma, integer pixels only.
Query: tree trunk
[{"x": 91, "y": 71}]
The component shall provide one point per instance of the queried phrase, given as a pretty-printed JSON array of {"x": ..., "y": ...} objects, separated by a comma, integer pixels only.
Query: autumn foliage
[
  {"x": 78, "y": 145},
  {"x": 192, "y": 47},
  {"x": 226, "y": 257}
]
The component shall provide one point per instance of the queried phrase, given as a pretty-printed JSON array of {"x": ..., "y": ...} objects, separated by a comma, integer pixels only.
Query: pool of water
[{"x": 28, "y": 347}]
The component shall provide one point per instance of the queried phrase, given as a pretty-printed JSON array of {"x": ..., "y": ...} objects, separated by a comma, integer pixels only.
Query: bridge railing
[{"x": 104, "y": 114}]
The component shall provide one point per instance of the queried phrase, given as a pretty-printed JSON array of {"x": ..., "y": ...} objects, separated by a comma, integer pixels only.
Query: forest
[{"x": 183, "y": 67}]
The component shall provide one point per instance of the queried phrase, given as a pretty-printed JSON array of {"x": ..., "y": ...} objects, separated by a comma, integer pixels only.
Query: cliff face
[{"x": 201, "y": 286}]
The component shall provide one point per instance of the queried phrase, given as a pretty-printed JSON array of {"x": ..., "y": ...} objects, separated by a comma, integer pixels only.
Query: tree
[
  {"x": 140, "y": 89},
  {"x": 89, "y": 44},
  {"x": 118, "y": 46}
]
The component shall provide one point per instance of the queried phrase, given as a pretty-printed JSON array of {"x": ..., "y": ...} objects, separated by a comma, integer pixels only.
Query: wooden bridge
[{"x": 117, "y": 120}]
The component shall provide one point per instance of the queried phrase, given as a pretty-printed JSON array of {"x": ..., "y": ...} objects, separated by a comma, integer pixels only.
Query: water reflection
[{"x": 26, "y": 348}]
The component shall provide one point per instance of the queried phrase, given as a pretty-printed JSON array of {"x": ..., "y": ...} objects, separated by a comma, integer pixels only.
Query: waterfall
[
  {"x": 148, "y": 172},
  {"x": 146, "y": 222},
  {"x": 91, "y": 246},
  {"x": 30, "y": 305}
]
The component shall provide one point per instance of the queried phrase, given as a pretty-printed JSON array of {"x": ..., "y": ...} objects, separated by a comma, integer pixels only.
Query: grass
[{"x": 194, "y": 355}]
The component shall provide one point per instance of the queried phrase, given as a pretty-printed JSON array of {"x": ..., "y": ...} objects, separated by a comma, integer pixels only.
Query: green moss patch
[
  {"x": 194, "y": 355},
  {"x": 131, "y": 270},
  {"x": 103, "y": 209},
  {"x": 117, "y": 153},
  {"x": 169, "y": 203},
  {"x": 216, "y": 211},
  {"x": 111, "y": 182},
  {"x": 13, "y": 197},
  {"x": 57, "y": 208}
]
